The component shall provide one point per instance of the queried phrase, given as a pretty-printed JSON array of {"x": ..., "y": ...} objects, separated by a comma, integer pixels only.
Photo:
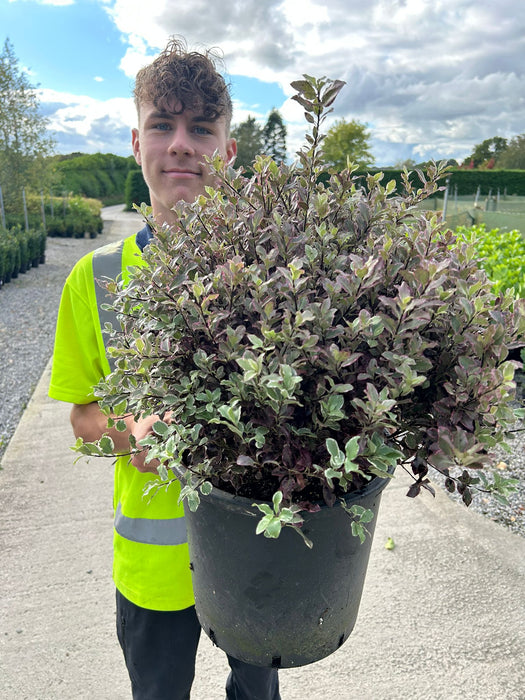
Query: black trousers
[{"x": 160, "y": 649}]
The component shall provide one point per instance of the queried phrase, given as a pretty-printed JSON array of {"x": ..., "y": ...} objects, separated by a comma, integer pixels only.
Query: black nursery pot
[{"x": 277, "y": 603}]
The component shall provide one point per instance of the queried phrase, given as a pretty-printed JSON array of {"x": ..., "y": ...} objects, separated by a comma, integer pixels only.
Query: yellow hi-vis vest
[{"x": 151, "y": 560}]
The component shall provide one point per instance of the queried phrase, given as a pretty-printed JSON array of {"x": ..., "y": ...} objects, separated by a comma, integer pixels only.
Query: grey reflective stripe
[
  {"x": 107, "y": 262},
  {"x": 167, "y": 531}
]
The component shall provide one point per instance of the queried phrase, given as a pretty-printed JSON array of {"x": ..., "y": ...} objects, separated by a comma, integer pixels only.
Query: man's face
[{"x": 170, "y": 148}]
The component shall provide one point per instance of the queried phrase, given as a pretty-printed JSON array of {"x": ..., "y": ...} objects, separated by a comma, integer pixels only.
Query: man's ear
[
  {"x": 231, "y": 151},
  {"x": 135, "y": 144}
]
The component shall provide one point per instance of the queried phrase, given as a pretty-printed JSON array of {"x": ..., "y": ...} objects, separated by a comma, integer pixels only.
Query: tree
[
  {"x": 274, "y": 137},
  {"x": 24, "y": 141},
  {"x": 486, "y": 151},
  {"x": 252, "y": 139},
  {"x": 248, "y": 135},
  {"x": 513, "y": 157},
  {"x": 347, "y": 141},
  {"x": 408, "y": 163}
]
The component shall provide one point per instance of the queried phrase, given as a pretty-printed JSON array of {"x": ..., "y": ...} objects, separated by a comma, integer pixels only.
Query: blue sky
[
  {"x": 68, "y": 47},
  {"x": 429, "y": 78}
]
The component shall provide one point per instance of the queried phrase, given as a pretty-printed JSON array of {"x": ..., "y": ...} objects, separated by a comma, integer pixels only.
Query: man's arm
[{"x": 90, "y": 424}]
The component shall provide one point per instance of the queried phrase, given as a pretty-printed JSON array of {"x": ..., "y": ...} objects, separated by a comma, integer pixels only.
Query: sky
[{"x": 430, "y": 79}]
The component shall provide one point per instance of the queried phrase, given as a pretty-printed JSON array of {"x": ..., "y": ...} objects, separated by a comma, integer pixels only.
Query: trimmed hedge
[
  {"x": 136, "y": 191},
  {"x": 511, "y": 182},
  {"x": 20, "y": 250},
  {"x": 98, "y": 175}
]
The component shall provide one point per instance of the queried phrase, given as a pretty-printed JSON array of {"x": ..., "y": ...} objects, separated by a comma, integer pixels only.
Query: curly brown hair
[{"x": 187, "y": 77}]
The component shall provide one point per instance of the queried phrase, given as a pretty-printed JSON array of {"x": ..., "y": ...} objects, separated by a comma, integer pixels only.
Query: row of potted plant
[
  {"x": 65, "y": 217},
  {"x": 19, "y": 251}
]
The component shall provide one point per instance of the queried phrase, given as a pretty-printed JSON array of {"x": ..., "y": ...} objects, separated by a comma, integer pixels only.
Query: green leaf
[
  {"x": 121, "y": 408},
  {"x": 352, "y": 448},
  {"x": 333, "y": 449},
  {"x": 358, "y": 531},
  {"x": 106, "y": 445},
  {"x": 331, "y": 474},
  {"x": 305, "y": 88},
  {"x": 263, "y": 524},
  {"x": 264, "y": 508},
  {"x": 273, "y": 529},
  {"x": 160, "y": 428},
  {"x": 277, "y": 500},
  {"x": 192, "y": 497},
  {"x": 206, "y": 488}
]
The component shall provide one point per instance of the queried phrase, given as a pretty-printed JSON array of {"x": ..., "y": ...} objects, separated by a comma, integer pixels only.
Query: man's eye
[
  {"x": 201, "y": 130},
  {"x": 162, "y": 126}
]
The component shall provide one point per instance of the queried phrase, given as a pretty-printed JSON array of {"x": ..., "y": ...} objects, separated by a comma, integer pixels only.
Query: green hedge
[
  {"x": 99, "y": 175},
  {"x": 511, "y": 182},
  {"x": 136, "y": 190},
  {"x": 20, "y": 250}
]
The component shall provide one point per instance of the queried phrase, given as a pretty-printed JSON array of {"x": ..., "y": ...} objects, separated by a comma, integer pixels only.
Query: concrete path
[{"x": 442, "y": 615}]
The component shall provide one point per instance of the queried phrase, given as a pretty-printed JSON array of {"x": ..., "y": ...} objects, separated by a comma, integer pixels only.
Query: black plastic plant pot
[{"x": 275, "y": 602}]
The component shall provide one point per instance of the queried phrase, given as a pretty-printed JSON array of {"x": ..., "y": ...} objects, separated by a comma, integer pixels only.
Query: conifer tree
[
  {"x": 248, "y": 135},
  {"x": 274, "y": 137}
]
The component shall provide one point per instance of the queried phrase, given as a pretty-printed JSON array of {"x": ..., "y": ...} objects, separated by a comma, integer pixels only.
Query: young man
[{"x": 184, "y": 112}]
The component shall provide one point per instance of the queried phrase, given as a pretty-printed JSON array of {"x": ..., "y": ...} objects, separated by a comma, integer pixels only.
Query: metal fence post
[
  {"x": 2, "y": 212},
  {"x": 25, "y": 208},
  {"x": 43, "y": 209},
  {"x": 445, "y": 200}
]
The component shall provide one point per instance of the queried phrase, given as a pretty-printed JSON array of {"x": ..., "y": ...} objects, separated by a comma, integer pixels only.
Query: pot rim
[{"x": 372, "y": 488}]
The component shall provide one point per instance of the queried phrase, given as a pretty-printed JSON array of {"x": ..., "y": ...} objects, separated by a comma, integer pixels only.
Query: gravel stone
[{"x": 28, "y": 312}]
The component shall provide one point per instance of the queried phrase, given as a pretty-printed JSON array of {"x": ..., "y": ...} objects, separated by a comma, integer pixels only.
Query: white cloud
[
  {"x": 430, "y": 78},
  {"x": 58, "y": 3},
  {"x": 433, "y": 77},
  {"x": 80, "y": 123}
]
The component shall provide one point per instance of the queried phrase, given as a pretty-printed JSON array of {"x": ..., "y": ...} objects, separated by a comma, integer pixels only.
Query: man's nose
[{"x": 181, "y": 143}]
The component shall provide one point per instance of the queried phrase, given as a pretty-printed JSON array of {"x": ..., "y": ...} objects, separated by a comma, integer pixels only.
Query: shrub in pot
[
  {"x": 9, "y": 257},
  {"x": 300, "y": 337}
]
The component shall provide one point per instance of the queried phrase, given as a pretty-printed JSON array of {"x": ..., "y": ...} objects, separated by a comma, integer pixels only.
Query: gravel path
[{"x": 28, "y": 311}]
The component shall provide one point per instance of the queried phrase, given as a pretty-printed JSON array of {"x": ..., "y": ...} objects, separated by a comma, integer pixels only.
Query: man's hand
[
  {"x": 140, "y": 430},
  {"x": 90, "y": 424}
]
